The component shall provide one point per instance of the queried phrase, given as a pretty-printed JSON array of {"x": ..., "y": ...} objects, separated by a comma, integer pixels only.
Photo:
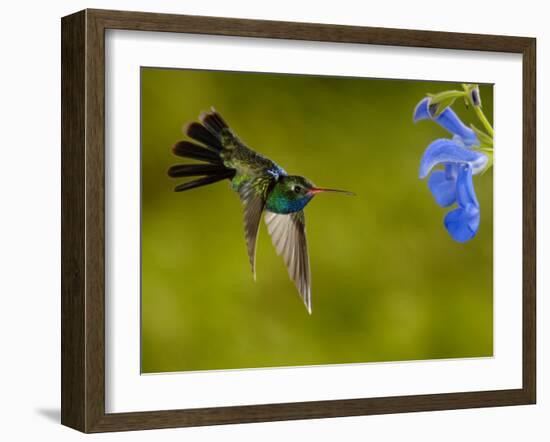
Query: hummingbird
[{"x": 263, "y": 187}]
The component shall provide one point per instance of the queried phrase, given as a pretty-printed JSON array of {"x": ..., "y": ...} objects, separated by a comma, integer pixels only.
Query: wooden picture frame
[{"x": 83, "y": 220}]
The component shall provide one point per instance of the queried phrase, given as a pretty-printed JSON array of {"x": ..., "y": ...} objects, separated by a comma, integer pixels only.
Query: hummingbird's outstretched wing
[
  {"x": 288, "y": 234},
  {"x": 253, "y": 203}
]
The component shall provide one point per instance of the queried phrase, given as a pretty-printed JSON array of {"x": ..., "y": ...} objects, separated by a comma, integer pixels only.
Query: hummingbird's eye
[{"x": 297, "y": 189}]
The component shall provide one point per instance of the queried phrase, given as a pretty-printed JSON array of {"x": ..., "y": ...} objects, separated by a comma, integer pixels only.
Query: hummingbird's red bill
[{"x": 316, "y": 190}]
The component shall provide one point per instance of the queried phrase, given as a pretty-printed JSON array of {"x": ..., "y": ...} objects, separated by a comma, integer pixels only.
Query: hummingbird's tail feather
[
  {"x": 210, "y": 173},
  {"x": 184, "y": 170},
  {"x": 212, "y": 133},
  {"x": 205, "y": 181},
  {"x": 201, "y": 134},
  {"x": 217, "y": 127},
  {"x": 186, "y": 149},
  {"x": 214, "y": 122}
]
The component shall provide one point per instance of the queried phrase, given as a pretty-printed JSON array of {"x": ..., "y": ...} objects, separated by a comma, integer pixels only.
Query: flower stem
[{"x": 484, "y": 121}]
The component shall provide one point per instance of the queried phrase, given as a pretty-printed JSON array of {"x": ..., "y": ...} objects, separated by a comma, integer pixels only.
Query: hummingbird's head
[{"x": 293, "y": 192}]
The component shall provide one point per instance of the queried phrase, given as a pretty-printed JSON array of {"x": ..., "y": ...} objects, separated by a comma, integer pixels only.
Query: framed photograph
[{"x": 267, "y": 221}]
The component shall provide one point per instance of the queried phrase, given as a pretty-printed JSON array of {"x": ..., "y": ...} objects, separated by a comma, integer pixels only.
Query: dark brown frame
[{"x": 83, "y": 216}]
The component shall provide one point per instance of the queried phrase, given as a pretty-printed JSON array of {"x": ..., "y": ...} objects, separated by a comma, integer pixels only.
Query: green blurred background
[{"x": 388, "y": 283}]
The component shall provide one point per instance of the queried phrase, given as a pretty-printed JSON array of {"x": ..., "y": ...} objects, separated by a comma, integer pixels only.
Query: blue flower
[
  {"x": 462, "y": 223},
  {"x": 460, "y": 161},
  {"x": 446, "y": 119}
]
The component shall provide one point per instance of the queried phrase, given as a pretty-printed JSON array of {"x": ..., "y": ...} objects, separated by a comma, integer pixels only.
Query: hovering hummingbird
[{"x": 262, "y": 185}]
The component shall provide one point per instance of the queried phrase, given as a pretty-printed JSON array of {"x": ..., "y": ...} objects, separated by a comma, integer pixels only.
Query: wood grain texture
[
  {"x": 145, "y": 21},
  {"x": 73, "y": 129},
  {"x": 95, "y": 221},
  {"x": 83, "y": 220},
  {"x": 529, "y": 220}
]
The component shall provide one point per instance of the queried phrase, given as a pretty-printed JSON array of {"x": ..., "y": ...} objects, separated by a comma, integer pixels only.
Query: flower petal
[
  {"x": 463, "y": 222},
  {"x": 442, "y": 184},
  {"x": 444, "y": 150},
  {"x": 465, "y": 193},
  {"x": 421, "y": 111},
  {"x": 447, "y": 119},
  {"x": 450, "y": 121}
]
